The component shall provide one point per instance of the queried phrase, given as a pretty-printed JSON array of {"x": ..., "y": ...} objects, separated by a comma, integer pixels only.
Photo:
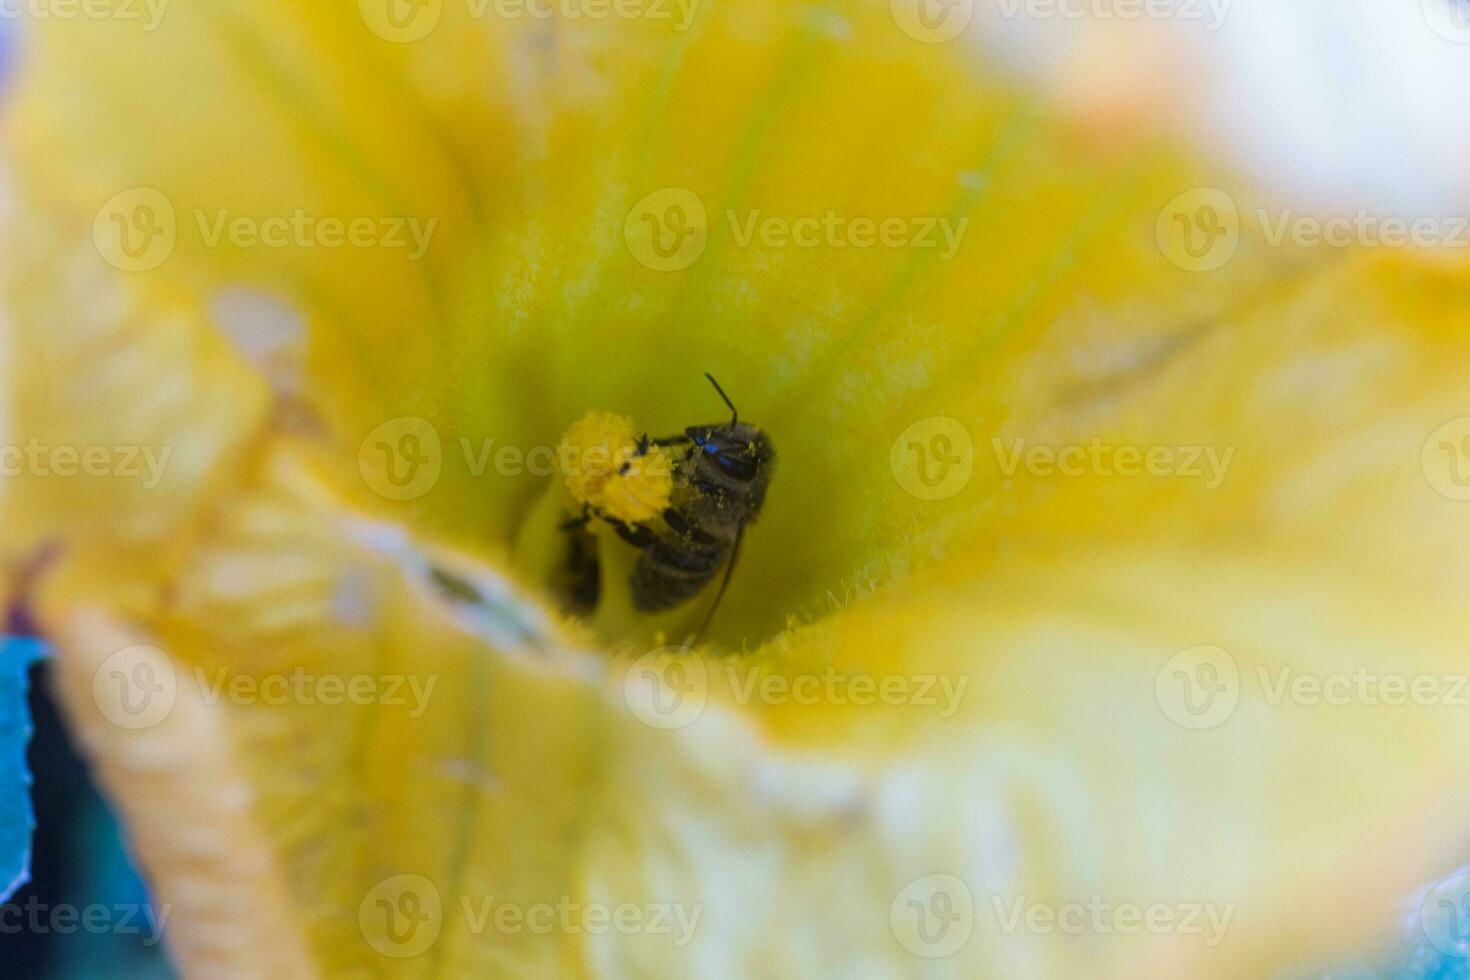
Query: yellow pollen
[{"x": 599, "y": 462}]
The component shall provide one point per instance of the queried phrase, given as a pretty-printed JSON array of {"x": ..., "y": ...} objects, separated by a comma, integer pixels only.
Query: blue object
[
  {"x": 1429, "y": 941},
  {"x": 17, "y": 821}
]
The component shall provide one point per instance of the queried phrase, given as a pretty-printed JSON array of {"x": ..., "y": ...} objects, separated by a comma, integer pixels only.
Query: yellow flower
[{"x": 1072, "y": 512}]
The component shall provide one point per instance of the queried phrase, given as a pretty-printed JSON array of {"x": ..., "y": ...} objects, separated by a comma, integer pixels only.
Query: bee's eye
[{"x": 735, "y": 467}]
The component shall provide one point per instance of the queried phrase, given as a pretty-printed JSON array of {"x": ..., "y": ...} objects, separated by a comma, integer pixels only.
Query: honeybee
[{"x": 721, "y": 473}]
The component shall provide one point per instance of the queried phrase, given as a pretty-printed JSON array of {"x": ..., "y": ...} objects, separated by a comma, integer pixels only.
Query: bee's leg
[
  {"x": 637, "y": 535},
  {"x": 681, "y": 440}
]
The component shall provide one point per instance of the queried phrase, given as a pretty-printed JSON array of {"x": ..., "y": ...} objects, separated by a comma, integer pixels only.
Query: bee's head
[{"x": 738, "y": 451}]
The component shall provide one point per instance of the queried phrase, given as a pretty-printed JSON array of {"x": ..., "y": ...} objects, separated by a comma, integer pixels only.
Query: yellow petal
[{"x": 127, "y": 407}]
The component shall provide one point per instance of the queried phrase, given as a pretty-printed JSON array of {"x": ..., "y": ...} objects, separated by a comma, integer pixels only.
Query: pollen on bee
[{"x": 607, "y": 465}]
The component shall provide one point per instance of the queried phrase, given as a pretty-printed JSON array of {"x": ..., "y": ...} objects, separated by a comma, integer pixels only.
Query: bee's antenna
[{"x": 734, "y": 415}]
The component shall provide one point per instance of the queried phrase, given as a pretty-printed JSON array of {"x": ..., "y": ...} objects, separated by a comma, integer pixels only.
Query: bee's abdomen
[{"x": 668, "y": 573}]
